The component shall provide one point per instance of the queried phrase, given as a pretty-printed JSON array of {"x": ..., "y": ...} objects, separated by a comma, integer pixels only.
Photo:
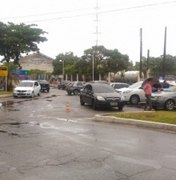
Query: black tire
[
  {"x": 94, "y": 105},
  {"x": 134, "y": 100},
  {"x": 75, "y": 92},
  {"x": 120, "y": 108},
  {"x": 69, "y": 93},
  {"x": 170, "y": 105},
  {"x": 81, "y": 102}
]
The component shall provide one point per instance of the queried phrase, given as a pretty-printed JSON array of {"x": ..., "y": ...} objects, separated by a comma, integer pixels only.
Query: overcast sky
[{"x": 71, "y": 24}]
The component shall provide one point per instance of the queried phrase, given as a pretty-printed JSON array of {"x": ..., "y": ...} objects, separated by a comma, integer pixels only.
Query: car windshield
[
  {"x": 43, "y": 81},
  {"x": 103, "y": 88},
  {"x": 136, "y": 85},
  {"x": 25, "y": 84}
]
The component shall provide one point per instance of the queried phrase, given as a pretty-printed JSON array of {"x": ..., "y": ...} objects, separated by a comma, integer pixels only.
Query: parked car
[
  {"x": 118, "y": 85},
  {"x": 75, "y": 87},
  {"x": 134, "y": 94},
  {"x": 62, "y": 85},
  {"x": 45, "y": 86},
  {"x": 165, "y": 99},
  {"x": 101, "y": 95},
  {"x": 27, "y": 88}
]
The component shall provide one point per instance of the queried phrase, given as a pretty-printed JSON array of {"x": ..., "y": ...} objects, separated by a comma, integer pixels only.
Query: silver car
[{"x": 165, "y": 99}]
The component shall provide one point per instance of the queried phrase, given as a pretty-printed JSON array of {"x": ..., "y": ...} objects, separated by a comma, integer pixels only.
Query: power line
[
  {"x": 90, "y": 13},
  {"x": 47, "y": 13}
]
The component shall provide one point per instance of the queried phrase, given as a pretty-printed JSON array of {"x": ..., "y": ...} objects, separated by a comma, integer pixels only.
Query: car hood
[
  {"x": 23, "y": 88},
  {"x": 124, "y": 89},
  {"x": 163, "y": 93},
  {"x": 107, "y": 94}
]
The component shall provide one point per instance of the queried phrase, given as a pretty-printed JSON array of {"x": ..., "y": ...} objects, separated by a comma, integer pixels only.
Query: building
[{"x": 37, "y": 61}]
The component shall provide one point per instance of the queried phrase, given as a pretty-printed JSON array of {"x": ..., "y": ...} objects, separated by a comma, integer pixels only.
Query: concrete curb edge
[{"x": 140, "y": 123}]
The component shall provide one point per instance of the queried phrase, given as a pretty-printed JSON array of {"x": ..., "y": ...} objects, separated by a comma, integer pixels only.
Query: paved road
[{"x": 40, "y": 141}]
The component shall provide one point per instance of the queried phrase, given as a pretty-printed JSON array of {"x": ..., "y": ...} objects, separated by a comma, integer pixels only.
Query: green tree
[
  {"x": 68, "y": 60},
  {"x": 16, "y": 39},
  {"x": 106, "y": 60}
]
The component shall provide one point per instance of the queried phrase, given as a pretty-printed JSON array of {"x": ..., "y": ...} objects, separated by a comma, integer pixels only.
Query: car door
[{"x": 87, "y": 94}]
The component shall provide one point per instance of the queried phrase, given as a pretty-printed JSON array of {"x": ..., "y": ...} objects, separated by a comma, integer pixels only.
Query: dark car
[
  {"x": 45, "y": 86},
  {"x": 62, "y": 85},
  {"x": 101, "y": 95},
  {"x": 75, "y": 87}
]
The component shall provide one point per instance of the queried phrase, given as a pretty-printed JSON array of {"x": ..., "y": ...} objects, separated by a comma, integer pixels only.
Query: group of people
[{"x": 150, "y": 87}]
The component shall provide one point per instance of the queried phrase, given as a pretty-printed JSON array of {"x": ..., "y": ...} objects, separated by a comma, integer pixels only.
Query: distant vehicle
[
  {"x": 75, "y": 87},
  {"x": 45, "y": 86},
  {"x": 118, "y": 85},
  {"x": 165, "y": 99},
  {"x": 63, "y": 84},
  {"x": 101, "y": 95},
  {"x": 100, "y": 81},
  {"x": 27, "y": 88}
]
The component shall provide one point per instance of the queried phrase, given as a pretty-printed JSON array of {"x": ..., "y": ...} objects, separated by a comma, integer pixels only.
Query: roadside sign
[{"x": 3, "y": 71}]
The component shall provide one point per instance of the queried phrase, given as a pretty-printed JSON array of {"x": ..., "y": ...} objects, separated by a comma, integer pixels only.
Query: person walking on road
[{"x": 148, "y": 93}]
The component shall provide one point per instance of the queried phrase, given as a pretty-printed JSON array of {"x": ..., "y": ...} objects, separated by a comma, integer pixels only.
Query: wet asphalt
[{"x": 53, "y": 137}]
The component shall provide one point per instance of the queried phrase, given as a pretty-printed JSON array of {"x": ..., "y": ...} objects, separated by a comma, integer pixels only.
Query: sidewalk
[
  {"x": 134, "y": 122},
  {"x": 5, "y": 95}
]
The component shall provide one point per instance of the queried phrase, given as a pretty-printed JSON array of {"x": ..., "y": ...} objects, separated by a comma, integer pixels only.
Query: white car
[
  {"x": 119, "y": 85},
  {"x": 27, "y": 88},
  {"x": 134, "y": 93}
]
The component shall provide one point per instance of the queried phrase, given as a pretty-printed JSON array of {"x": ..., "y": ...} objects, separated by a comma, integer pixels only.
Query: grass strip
[
  {"x": 5, "y": 92},
  {"x": 153, "y": 116}
]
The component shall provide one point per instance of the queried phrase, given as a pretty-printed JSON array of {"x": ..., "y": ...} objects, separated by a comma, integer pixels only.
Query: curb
[
  {"x": 6, "y": 95},
  {"x": 139, "y": 123}
]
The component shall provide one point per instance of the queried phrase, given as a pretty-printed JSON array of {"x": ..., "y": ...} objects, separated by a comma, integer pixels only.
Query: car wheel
[
  {"x": 134, "y": 100},
  {"x": 81, "y": 101},
  {"x": 94, "y": 105},
  {"x": 48, "y": 91},
  {"x": 69, "y": 93},
  {"x": 120, "y": 108},
  {"x": 76, "y": 92},
  {"x": 170, "y": 105},
  {"x": 39, "y": 93}
]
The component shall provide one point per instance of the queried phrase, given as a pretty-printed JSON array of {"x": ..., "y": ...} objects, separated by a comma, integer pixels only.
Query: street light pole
[
  {"x": 93, "y": 67},
  {"x": 62, "y": 68}
]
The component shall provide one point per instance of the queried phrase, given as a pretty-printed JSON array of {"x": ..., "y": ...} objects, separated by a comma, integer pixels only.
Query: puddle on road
[
  {"x": 8, "y": 105},
  {"x": 5, "y": 130}
]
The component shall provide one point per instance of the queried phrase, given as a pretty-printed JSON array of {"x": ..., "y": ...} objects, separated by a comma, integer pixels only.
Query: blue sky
[{"x": 71, "y": 24}]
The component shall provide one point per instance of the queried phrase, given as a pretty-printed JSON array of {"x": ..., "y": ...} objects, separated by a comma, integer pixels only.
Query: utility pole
[
  {"x": 148, "y": 56},
  {"x": 164, "y": 53},
  {"x": 140, "y": 68},
  {"x": 95, "y": 53}
]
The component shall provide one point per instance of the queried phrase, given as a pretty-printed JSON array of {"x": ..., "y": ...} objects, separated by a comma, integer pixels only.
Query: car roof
[{"x": 28, "y": 81}]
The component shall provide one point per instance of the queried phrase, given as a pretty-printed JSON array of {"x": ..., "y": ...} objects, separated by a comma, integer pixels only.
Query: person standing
[{"x": 148, "y": 93}]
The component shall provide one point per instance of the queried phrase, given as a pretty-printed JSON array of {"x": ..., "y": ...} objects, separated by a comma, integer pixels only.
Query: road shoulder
[{"x": 134, "y": 122}]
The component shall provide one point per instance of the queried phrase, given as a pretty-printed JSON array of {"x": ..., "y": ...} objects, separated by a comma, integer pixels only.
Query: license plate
[{"x": 113, "y": 103}]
